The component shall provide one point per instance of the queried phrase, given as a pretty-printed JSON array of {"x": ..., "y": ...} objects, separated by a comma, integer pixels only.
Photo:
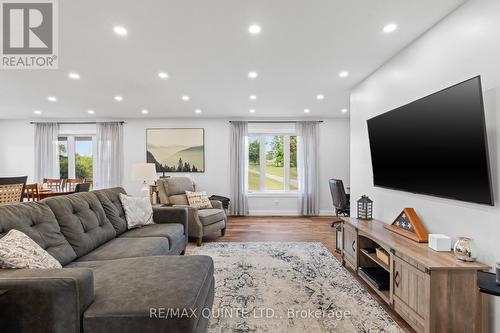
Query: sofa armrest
[
  {"x": 216, "y": 204},
  {"x": 45, "y": 300},
  {"x": 163, "y": 214}
]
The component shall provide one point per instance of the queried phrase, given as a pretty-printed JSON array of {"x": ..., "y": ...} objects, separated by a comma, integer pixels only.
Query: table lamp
[{"x": 146, "y": 172}]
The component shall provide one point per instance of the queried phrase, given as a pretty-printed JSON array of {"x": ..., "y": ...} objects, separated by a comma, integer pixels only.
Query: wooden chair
[
  {"x": 14, "y": 181},
  {"x": 70, "y": 184},
  {"x": 11, "y": 193},
  {"x": 31, "y": 192},
  {"x": 53, "y": 183}
]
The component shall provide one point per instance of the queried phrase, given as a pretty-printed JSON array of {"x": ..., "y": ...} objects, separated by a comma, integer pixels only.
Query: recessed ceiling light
[
  {"x": 307, "y": 110},
  {"x": 120, "y": 31},
  {"x": 252, "y": 75},
  {"x": 343, "y": 110},
  {"x": 37, "y": 112},
  {"x": 52, "y": 99},
  {"x": 144, "y": 111},
  {"x": 252, "y": 111},
  {"x": 90, "y": 111},
  {"x": 344, "y": 74},
  {"x": 185, "y": 98},
  {"x": 197, "y": 111},
  {"x": 74, "y": 76},
  {"x": 253, "y": 97},
  {"x": 118, "y": 98},
  {"x": 320, "y": 97},
  {"x": 390, "y": 28},
  {"x": 163, "y": 75},
  {"x": 254, "y": 29}
]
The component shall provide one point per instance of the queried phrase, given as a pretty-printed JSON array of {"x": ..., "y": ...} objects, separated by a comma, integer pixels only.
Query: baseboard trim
[{"x": 269, "y": 212}]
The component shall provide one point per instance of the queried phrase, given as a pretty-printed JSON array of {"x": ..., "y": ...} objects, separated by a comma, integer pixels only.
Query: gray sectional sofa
[{"x": 113, "y": 279}]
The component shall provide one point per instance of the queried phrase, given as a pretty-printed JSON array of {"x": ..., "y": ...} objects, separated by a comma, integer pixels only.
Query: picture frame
[
  {"x": 408, "y": 224},
  {"x": 176, "y": 150}
]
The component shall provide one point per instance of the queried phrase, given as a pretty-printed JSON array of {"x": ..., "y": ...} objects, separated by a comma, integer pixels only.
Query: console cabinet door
[
  {"x": 411, "y": 293},
  {"x": 349, "y": 244}
]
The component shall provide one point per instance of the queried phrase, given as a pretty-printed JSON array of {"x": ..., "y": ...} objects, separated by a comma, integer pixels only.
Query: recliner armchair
[{"x": 201, "y": 221}]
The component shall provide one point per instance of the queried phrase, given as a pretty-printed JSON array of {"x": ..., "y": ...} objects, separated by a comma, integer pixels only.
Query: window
[
  {"x": 272, "y": 163},
  {"x": 76, "y": 157}
]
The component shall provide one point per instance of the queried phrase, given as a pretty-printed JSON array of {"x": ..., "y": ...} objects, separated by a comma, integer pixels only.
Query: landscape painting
[{"x": 176, "y": 149}]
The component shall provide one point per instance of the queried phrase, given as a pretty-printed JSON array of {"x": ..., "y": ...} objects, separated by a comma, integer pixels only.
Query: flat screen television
[{"x": 436, "y": 145}]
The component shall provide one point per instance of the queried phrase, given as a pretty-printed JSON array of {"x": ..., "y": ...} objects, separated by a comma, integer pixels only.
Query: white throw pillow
[
  {"x": 17, "y": 250},
  {"x": 138, "y": 211},
  {"x": 198, "y": 199}
]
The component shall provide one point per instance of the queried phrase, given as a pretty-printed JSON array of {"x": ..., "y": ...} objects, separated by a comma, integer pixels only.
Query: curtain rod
[
  {"x": 75, "y": 123},
  {"x": 278, "y": 121}
]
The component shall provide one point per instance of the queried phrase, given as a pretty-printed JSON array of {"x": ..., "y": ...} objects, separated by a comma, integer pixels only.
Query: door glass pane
[
  {"x": 293, "y": 164},
  {"x": 83, "y": 157},
  {"x": 253, "y": 163},
  {"x": 274, "y": 164},
  {"x": 63, "y": 157}
]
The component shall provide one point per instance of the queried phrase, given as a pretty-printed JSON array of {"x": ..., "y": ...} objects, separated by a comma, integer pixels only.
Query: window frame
[
  {"x": 286, "y": 191},
  {"x": 71, "y": 150}
]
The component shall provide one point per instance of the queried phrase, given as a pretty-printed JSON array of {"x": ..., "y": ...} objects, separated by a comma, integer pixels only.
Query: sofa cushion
[
  {"x": 210, "y": 216},
  {"x": 110, "y": 201},
  {"x": 39, "y": 223},
  {"x": 82, "y": 221},
  {"x": 173, "y": 231},
  {"x": 119, "y": 248},
  {"x": 178, "y": 199},
  {"x": 19, "y": 251},
  {"x": 124, "y": 304},
  {"x": 179, "y": 185}
]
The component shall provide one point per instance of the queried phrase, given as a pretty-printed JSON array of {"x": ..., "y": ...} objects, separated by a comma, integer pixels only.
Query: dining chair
[
  {"x": 31, "y": 192},
  {"x": 53, "y": 183},
  {"x": 83, "y": 187},
  {"x": 69, "y": 184},
  {"x": 11, "y": 193},
  {"x": 15, "y": 180}
]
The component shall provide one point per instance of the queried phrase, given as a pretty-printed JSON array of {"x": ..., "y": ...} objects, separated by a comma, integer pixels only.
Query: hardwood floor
[{"x": 292, "y": 229}]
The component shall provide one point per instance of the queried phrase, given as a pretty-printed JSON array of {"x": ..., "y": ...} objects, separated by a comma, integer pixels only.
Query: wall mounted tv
[{"x": 436, "y": 145}]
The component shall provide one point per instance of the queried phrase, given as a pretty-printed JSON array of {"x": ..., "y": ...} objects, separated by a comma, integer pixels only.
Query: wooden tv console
[{"x": 432, "y": 291}]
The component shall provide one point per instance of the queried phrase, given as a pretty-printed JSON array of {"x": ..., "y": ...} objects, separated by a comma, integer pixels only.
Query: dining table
[{"x": 48, "y": 192}]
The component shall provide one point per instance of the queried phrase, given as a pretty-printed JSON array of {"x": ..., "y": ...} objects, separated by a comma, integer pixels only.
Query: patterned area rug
[{"x": 288, "y": 287}]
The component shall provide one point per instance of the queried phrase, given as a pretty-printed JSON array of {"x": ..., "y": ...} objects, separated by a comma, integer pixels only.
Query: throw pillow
[
  {"x": 198, "y": 199},
  {"x": 17, "y": 250},
  {"x": 138, "y": 211}
]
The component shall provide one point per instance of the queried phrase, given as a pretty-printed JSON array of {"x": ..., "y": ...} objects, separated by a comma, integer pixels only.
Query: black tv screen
[{"x": 436, "y": 145}]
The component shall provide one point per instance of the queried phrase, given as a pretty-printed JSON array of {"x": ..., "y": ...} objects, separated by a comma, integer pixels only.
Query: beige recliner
[{"x": 201, "y": 221}]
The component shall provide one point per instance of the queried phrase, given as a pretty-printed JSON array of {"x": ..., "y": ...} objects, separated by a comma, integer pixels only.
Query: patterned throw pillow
[
  {"x": 17, "y": 250},
  {"x": 138, "y": 211},
  {"x": 198, "y": 199}
]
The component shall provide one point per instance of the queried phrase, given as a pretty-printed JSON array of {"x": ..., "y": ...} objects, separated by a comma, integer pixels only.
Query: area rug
[{"x": 288, "y": 287}]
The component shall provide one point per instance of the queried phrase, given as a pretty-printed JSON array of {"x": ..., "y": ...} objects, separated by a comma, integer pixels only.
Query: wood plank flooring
[{"x": 292, "y": 229}]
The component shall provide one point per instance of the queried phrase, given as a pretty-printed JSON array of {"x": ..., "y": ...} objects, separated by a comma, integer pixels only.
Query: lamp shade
[{"x": 144, "y": 172}]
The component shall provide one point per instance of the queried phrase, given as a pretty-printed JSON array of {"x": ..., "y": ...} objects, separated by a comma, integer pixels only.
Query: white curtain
[
  {"x": 239, "y": 199},
  {"x": 307, "y": 160},
  {"x": 108, "y": 164},
  {"x": 46, "y": 151}
]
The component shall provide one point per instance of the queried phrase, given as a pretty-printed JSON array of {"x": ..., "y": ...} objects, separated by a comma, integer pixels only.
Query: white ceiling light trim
[
  {"x": 320, "y": 97},
  {"x": 37, "y": 112},
  {"x": 307, "y": 110},
  {"x": 144, "y": 111},
  {"x": 52, "y": 99},
  {"x": 344, "y": 74},
  {"x": 252, "y": 97},
  {"x": 163, "y": 75},
  {"x": 254, "y": 29},
  {"x": 252, "y": 75},
  {"x": 251, "y": 110},
  {"x": 74, "y": 76},
  {"x": 120, "y": 30},
  {"x": 185, "y": 98},
  {"x": 197, "y": 111},
  {"x": 391, "y": 27},
  {"x": 118, "y": 98},
  {"x": 90, "y": 111},
  {"x": 343, "y": 110}
]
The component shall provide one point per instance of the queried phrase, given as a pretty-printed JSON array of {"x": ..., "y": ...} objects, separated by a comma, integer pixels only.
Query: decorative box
[
  {"x": 439, "y": 242},
  {"x": 382, "y": 255}
]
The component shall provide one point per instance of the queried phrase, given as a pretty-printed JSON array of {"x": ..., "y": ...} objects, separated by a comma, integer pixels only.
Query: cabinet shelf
[{"x": 373, "y": 257}]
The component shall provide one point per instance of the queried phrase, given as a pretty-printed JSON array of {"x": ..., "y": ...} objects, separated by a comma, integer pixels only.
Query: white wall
[
  {"x": 463, "y": 45},
  {"x": 17, "y": 157},
  {"x": 334, "y": 160}
]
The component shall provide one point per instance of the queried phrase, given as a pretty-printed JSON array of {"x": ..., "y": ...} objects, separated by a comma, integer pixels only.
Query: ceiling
[{"x": 207, "y": 51}]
